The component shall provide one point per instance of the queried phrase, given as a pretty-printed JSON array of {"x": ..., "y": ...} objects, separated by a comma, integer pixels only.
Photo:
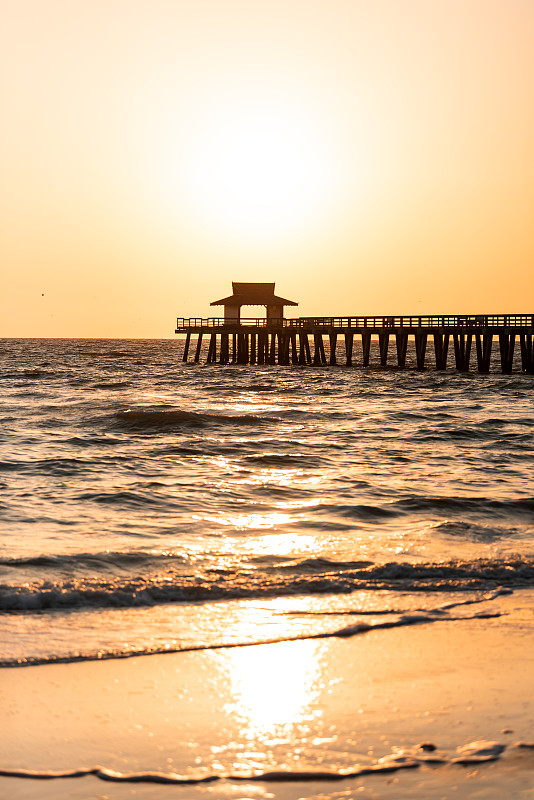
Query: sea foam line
[{"x": 477, "y": 752}]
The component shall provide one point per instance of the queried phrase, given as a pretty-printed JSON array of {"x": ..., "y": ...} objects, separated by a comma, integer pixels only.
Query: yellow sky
[{"x": 370, "y": 156}]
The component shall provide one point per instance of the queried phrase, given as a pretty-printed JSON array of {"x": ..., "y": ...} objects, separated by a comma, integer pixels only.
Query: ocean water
[
  {"x": 153, "y": 506},
  {"x": 149, "y": 505}
]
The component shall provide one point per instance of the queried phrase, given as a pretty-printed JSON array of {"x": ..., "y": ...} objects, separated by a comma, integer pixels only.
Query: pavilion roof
[{"x": 253, "y": 294}]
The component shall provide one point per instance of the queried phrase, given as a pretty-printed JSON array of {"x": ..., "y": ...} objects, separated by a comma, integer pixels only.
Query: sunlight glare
[{"x": 258, "y": 171}]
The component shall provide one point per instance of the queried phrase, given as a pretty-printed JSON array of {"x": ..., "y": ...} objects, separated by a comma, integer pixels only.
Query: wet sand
[{"x": 331, "y": 705}]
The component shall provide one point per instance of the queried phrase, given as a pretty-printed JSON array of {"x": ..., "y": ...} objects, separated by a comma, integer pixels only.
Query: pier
[{"x": 458, "y": 341}]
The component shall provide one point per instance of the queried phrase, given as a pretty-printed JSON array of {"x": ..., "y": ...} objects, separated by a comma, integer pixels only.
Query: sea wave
[
  {"x": 162, "y": 419},
  {"x": 523, "y": 506},
  {"x": 172, "y": 584}
]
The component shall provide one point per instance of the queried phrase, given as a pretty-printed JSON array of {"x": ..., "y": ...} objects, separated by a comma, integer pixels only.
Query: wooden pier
[
  {"x": 302, "y": 340},
  {"x": 276, "y": 340}
]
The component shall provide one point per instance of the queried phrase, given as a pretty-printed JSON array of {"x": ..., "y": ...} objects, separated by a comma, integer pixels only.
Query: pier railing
[{"x": 448, "y": 321}]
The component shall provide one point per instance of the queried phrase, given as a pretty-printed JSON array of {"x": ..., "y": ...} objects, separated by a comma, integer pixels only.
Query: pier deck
[{"x": 287, "y": 341}]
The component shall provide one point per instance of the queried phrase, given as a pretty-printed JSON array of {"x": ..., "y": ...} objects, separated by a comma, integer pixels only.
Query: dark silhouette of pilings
[
  {"x": 527, "y": 352},
  {"x": 186, "y": 346},
  {"x": 383, "y": 344},
  {"x": 483, "y": 343},
  {"x": 506, "y": 345},
  {"x": 402, "y": 346},
  {"x": 462, "y": 350},
  {"x": 441, "y": 349},
  {"x": 199, "y": 345},
  {"x": 349, "y": 344},
  {"x": 366, "y": 348},
  {"x": 420, "y": 349},
  {"x": 295, "y": 342}
]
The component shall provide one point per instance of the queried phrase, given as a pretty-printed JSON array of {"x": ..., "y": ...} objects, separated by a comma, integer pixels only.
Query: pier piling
[
  {"x": 483, "y": 344},
  {"x": 441, "y": 348},
  {"x": 527, "y": 352},
  {"x": 333, "y": 344},
  {"x": 462, "y": 350},
  {"x": 366, "y": 348},
  {"x": 506, "y": 344},
  {"x": 186, "y": 346},
  {"x": 349, "y": 342},
  {"x": 383, "y": 343},
  {"x": 199, "y": 345},
  {"x": 420, "y": 349},
  {"x": 401, "y": 340}
]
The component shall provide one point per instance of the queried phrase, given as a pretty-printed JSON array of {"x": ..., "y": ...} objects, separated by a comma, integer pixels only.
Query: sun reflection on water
[{"x": 244, "y": 522}]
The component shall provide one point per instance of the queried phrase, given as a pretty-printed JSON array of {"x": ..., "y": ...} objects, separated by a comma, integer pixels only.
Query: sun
[{"x": 259, "y": 172}]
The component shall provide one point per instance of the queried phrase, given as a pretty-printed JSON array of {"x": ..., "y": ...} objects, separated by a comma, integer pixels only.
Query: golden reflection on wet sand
[{"x": 275, "y": 690}]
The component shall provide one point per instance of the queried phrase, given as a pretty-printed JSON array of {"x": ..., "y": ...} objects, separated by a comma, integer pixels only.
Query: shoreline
[{"x": 331, "y": 705}]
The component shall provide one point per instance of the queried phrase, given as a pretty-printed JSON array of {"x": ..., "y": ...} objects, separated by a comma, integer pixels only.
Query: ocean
[{"x": 151, "y": 506}]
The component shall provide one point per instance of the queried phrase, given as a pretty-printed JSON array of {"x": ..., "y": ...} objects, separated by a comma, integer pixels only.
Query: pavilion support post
[
  {"x": 294, "y": 351},
  {"x": 252, "y": 348},
  {"x": 261, "y": 348},
  {"x": 462, "y": 350},
  {"x": 224, "y": 348},
  {"x": 272, "y": 354},
  {"x": 366, "y": 348},
  {"x": 333, "y": 346},
  {"x": 527, "y": 353},
  {"x": 186, "y": 346},
  {"x": 402, "y": 345},
  {"x": 212, "y": 349},
  {"x": 349, "y": 343},
  {"x": 283, "y": 348},
  {"x": 234, "y": 348},
  {"x": 483, "y": 343},
  {"x": 244, "y": 348},
  {"x": 506, "y": 344},
  {"x": 420, "y": 349},
  {"x": 441, "y": 348},
  {"x": 287, "y": 347},
  {"x": 280, "y": 347},
  {"x": 197, "y": 351},
  {"x": 383, "y": 342}
]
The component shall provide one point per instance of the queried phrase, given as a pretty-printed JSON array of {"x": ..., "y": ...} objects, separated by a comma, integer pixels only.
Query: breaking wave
[
  {"x": 163, "y": 419},
  {"x": 170, "y": 583}
]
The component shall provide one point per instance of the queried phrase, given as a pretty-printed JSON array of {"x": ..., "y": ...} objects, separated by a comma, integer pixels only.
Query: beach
[{"x": 247, "y": 711}]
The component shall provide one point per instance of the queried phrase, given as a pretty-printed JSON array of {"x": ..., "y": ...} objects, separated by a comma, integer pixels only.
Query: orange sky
[{"x": 369, "y": 156}]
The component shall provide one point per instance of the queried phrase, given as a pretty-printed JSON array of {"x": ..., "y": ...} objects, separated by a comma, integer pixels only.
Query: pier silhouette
[{"x": 301, "y": 340}]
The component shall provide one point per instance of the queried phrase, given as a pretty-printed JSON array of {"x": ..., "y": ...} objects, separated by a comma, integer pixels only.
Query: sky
[{"x": 370, "y": 156}]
